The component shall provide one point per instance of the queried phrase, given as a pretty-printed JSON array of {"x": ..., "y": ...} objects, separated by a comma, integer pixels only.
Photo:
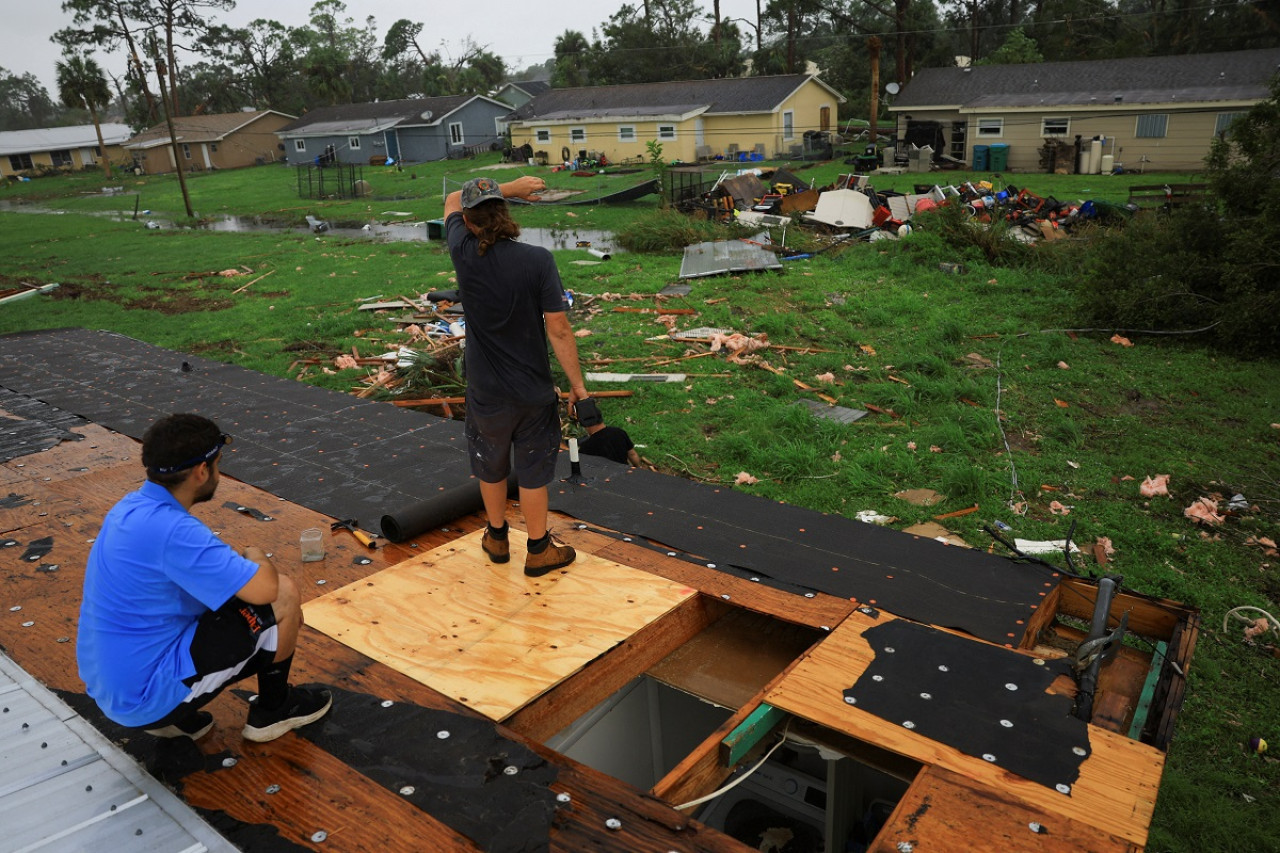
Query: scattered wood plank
[{"x": 255, "y": 281}]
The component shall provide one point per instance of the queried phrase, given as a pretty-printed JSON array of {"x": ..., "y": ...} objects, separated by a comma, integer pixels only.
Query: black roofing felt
[
  {"x": 730, "y": 95},
  {"x": 985, "y": 701},
  {"x": 407, "y": 110},
  {"x": 353, "y": 458},
  {"x": 1234, "y": 75}
]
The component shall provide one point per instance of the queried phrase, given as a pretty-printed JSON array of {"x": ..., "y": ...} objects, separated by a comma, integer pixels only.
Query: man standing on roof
[
  {"x": 172, "y": 614},
  {"x": 514, "y": 302}
]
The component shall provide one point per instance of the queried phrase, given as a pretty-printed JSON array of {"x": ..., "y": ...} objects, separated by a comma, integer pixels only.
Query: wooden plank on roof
[
  {"x": 1116, "y": 789},
  {"x": 487, "y": 635}
]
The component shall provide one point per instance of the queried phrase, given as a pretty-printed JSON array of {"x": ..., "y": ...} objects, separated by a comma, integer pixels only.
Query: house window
[
  {"x": 626, "y": 133},
  {"x": 186, "y": 151},
  {"x": 789, "y": 125},
  {"x": 455, "y": 132},
  {"x": 543, "y": 135},
  {"x": 213, "y": 148},
  {"x": 60, "y": 159},
  {"x": 1222, "y": 127},
  {"x": 666, "y": 131},
  {"x": 577, "y": 134},
  {"x": 353, "y": 142},
  {"x": 990, "y": 127},
  {"x": 299, "y": 145},
  {"x": 1055, "y": 126},
  {"x": 19, "y": 162},
  {"x": 1152, "y": 126}
]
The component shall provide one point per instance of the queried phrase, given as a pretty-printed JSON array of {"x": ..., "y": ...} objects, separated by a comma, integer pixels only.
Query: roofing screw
[
  {"x": 1035, "y": 827},
  {"x": 626, "y": 538},
  {"x": 905, "y": 847},
  {"x": 671, "y": 553},
  {"x": 273, "y": 789},
  {"x": 1011, "y": 686},
  {"x": 890, "y": 649},
  {"x": 1079, "y": 750},
  {"x": 582, "y": 527},
  {"x": 943, "y": 668},
  {"x": 877, "y": 678},
  {"x": 849, "y": 700},
  {"x": 321, "y": 582},
  {"x": 387, "y": 703},
  {"x": 907, "y": 724},
  {"x": 1063, "y": 789},
  {"x": 15, "y": 608},
  {"x": 755, "y": 580},
  {"x": 711, "y": 565},
  {"x": 725, "y": 596},
  {"x": 986, "y": 756},
  {"x": 1006, "y": 723},
  {"x": 319, "y": 835},
  {"x": 563, "y": 798},
  {"x": 1038, "y": 661},
  {"x": 510, "y": 770},
  {"x": 926, "y": 695},
  {"x": 613, "y": 823},
  {"x": 407, "y": 790},
  {"x": 442, "y": 735},
  {"x": 809, "y": 595},
  {"x": 27, "y": 624},
  {"x": 228, "y": 762}
]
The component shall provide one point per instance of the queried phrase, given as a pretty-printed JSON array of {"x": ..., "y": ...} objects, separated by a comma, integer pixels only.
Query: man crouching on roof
[
  {"x": 514, "y": 301},
  {"x": 172, "y": 614}
]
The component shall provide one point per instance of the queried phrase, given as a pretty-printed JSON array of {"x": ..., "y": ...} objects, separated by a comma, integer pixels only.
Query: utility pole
[
  {"x": 168, "y": 120},
  {"x": 873, "y": 47}
]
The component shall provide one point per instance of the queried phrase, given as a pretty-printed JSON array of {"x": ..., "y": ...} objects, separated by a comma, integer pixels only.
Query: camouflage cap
[{"x": 477, "y": 190}]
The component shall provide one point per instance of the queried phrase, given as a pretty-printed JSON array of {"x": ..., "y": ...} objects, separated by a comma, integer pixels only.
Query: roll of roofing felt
[{"x": 440, "y": 509}]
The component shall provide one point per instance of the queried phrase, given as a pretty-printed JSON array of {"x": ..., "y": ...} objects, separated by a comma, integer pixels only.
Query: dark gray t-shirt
[{"x": 504, "y": 295}]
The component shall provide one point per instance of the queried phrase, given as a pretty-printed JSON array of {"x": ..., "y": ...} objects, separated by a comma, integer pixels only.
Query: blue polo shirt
[{"x": 152, "y": 571}]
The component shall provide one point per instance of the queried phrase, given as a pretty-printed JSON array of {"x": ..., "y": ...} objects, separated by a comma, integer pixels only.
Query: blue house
[{"x": 412, "y": 130}]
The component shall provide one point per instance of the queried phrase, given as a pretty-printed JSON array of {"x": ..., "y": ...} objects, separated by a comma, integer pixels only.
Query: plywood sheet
[
  {"x": 1116, "y": 788},
  {"x": 485, "y": 634}
]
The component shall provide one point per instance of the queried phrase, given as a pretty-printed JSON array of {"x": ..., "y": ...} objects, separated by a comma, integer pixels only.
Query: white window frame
[
  {"x": 788, "y": 124},
  {"x": 542, "y": 135},
  {"x": 1151, "y": 119},
  {"x": 626, "y": 133},
  {"x": 1056, "y": 121},
  {"x": 1222, "y": 124},
  {"x": 666, "y": 132},
  {"x": 991, "y": 127},
  {"x": 299, "y": 145},
  {"x": 577, "y": 135},
  {"x": 457, "y": 135},
  {"x": 353, "y": 142}
]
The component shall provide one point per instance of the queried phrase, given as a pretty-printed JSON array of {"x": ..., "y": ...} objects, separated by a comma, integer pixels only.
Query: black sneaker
[
  {"x": 194, "y": 726},
  {"x": 304, "y": 705}
]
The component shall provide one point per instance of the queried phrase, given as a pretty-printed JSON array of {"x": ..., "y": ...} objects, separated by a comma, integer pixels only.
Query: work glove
[{"x": 587, "y": 413}]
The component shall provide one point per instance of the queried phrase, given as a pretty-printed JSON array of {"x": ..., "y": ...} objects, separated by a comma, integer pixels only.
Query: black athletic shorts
[{"x": 495, "y": 431}]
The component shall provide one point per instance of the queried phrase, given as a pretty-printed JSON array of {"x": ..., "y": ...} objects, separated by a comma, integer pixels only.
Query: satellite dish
[
  {"x": 426, "y": 115},
  {"x": 892, "y": 88}
]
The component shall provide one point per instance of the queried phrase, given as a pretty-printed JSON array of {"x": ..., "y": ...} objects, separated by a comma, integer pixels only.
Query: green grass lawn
[{"x": 992, "y": 403}]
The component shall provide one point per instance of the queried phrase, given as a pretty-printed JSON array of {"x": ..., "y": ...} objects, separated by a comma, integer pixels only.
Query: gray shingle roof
[
  {"x": 1237, "y": 75},
  {"x": 730, "y": 95},
  {"x": 377, "y": 114},
  {"x": 532, "y": 88}
]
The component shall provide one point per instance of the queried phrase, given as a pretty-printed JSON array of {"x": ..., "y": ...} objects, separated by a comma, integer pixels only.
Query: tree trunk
[
  {"x": 873, "y": 48},
  {"x": 137, "y": 65},
  {"x": 102, "y": 145}
]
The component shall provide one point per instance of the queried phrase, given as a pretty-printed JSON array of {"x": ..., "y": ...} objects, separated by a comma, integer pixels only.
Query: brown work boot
[
  {"x": 554, "y": 556},
  {"x": 499, "y": 550}
]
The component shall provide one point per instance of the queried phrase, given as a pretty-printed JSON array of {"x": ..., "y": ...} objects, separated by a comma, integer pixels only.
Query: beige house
[
  {"x": 1147, "y": 114},
  {"x": 692, "y": 120},
  {"x": 29, "y": 152},
  {"x": 224, "y": 141}
]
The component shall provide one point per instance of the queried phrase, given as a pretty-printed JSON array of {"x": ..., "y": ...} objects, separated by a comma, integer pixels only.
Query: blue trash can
[{"x": 980, "y": 158}]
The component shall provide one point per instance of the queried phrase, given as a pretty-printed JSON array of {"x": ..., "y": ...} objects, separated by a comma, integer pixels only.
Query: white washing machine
[{"x": 776, "y": 808}]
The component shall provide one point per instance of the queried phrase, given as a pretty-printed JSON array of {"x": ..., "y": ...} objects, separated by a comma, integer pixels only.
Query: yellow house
[
  {"x": 220, "y": 141},
  {"x": 692, "y": 120},
  {"x": 29, "y": 152}
]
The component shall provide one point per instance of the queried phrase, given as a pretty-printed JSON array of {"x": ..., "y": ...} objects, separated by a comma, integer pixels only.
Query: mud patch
[
  {"x": 1137, "y": 405},
  {"x": 163, "y": 299}
]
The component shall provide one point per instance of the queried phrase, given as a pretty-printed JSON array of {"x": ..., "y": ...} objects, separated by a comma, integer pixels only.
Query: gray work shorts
[{"x": 494, "y": 431}]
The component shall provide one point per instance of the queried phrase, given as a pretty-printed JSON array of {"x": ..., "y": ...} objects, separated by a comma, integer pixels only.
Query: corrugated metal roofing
[
  {"x": 64, "y": 787},
  {"x": 403, "y": 111},
  {"x": 60, "y": 138},
  {"x": 1203, "y": 77}
]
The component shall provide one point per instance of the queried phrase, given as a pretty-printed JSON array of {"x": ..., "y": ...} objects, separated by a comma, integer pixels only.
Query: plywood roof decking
[
  {"x": 485, "y": 634},
  {"x": 1116, "y": 788}
]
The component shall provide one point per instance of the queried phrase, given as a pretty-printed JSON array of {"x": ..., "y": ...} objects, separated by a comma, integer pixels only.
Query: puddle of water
[{"x": 554, "y": 239}]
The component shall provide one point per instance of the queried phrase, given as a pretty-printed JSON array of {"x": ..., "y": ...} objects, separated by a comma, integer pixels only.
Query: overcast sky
[{"x": 515, "y": 31}]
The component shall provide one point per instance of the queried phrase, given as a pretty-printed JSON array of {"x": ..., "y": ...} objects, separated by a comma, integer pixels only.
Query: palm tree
[{"x": 81, "y": 83}]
